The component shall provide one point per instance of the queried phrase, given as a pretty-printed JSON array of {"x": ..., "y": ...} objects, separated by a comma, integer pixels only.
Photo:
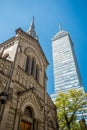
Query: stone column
[
  {"x": 17, "y": 121},
  {"x": 38, "y": 125},
  {"x": 1, "y": 111},
  {"x": 38, "y": 76},
  {"x": 34, "y": 72},
  {"x": 35, "y": 124},
  {"x": 5, "y": 116}
]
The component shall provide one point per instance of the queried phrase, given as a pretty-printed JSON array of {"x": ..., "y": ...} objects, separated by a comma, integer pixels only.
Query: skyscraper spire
[
  {"x": 31, "y": 31},
  {"x": 60, "y": 27}
]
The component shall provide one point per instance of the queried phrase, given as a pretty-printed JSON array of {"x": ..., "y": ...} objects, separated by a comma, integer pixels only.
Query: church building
[{"x": 24, "y": 102}]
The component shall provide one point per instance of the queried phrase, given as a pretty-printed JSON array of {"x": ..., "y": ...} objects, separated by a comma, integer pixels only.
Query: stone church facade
[{"x": 26, "y": 106}]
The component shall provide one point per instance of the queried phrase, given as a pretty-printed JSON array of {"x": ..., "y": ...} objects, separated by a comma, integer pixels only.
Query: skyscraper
[{"x": 66, "y": 71}]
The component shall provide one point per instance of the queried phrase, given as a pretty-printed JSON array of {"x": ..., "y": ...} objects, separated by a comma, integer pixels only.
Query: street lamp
[{"x": 3, "y": 97}]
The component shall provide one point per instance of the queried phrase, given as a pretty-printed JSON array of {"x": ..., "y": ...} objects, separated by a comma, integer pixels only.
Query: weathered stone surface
[{"x": 28, "y": 101}]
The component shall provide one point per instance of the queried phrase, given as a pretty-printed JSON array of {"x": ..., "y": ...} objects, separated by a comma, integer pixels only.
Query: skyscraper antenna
[
  {"x": 33, "y": 18},
  {"x": 60, "y": 27}
]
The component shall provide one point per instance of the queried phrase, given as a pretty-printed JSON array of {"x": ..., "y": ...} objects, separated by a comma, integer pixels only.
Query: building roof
[{"x": 60, "y": 34}]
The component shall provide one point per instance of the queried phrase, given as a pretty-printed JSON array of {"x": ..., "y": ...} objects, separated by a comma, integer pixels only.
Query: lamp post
[{"x": 3, "y": 97}]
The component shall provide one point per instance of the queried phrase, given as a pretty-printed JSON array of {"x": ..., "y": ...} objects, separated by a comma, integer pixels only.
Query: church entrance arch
[
  {"x": 27, "y": 120},
  {"x": 25, "y": 125}
]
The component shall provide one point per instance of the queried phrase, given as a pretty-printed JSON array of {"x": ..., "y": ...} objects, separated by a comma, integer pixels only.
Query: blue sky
[{"x": 48, "y": 14}]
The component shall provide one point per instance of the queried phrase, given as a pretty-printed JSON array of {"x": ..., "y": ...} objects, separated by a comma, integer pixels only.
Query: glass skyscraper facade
[{"x": 66, "y": 72}]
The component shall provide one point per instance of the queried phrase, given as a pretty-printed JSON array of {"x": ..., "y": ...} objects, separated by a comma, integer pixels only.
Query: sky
[{"x": 48, "y": 14}]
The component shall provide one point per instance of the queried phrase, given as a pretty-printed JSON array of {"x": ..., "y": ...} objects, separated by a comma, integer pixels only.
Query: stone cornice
[{"x": 7, "y": 42}]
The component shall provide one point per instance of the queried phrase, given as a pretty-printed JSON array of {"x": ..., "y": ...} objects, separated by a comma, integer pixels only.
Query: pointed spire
[
  {"x": 60, "y": 27},
  {"x": 31, "y": 31}
]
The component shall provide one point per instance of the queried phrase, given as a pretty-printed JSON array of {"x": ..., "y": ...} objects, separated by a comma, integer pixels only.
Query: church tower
[{"x": 24, "y": 102}]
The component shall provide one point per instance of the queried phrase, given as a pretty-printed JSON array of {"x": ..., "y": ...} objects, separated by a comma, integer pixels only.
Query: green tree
[{"x": 67, "y": 105}]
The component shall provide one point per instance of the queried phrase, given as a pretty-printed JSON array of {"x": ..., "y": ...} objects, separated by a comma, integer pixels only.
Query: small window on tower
[
  {"x": 37, "y": 73},
  {"x": 27, "y": 65},
  {"x": 33, "y": 66}
]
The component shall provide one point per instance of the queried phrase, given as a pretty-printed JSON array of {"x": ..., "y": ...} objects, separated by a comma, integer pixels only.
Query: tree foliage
[{"x": 67, "y": 105}]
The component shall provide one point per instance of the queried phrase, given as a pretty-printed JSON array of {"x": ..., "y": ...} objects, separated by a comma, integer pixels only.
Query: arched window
[
  {"x": 27, "y": 65},
  {"x": 26, "y": 124},
  {"x": 33, "y": 66},
  {"x": 28, "y": 112},
  {"x": 37, "y": 73}
]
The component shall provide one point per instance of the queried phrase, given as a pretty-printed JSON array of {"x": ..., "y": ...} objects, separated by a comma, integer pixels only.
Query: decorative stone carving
[
  {"x": 3, "y": 83},
  {"x": 20, "y": 84},
  {"x": 5, "y": 67},
  {"x": 1, "y": 51},
  {"x": 32, "y": 52}
]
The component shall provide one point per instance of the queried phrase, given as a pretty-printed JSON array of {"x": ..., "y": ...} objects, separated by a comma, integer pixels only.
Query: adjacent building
[
  {"x": 24, "y": 102},
  {"x": 66, "y": 71}
]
